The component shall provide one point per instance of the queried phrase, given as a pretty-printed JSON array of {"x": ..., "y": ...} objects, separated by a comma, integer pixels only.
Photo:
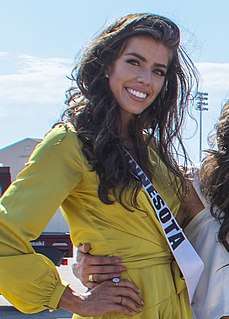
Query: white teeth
[{"x": 137, "y": 93}]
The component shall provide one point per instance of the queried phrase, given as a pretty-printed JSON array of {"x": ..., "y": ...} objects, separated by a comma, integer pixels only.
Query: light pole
[{"x": 201, "y": 106}]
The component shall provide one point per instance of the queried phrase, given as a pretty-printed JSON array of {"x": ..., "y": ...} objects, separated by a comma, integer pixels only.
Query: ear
[{"x": 108, "y": 71}]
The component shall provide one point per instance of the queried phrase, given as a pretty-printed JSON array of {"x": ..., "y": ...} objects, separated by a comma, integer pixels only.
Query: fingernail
[
  {"x": 139, "y": 309},
  {"x": 122, "y": 268}
]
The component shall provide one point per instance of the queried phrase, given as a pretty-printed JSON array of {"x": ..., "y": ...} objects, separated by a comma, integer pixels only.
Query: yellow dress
[{"x": 58, "y": 174}]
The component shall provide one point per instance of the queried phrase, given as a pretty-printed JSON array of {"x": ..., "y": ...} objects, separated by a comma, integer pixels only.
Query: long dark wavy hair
[
  {"x": 215, "y": 176},
  {"x": 95, "y": 113}
]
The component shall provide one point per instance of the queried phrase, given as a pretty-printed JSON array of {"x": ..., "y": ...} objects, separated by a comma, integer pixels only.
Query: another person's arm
[{"x": 190, "y": 206}]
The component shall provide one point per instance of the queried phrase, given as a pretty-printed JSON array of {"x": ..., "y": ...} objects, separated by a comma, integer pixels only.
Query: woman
[
  {"x": 208, "y": 232},
  {"x": 134, "y": 76}
]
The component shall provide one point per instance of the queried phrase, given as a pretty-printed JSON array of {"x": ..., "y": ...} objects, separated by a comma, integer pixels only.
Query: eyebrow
[{"x": 140, "y": 57}]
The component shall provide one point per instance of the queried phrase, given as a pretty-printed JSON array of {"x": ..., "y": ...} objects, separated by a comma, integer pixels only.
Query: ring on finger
[
  {"x": 116, "y": 281},
  {"x": 90, "y": 278}
]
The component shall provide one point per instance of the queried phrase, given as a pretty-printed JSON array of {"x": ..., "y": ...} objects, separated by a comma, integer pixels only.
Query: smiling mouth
[{"x": 138, "y": 94}]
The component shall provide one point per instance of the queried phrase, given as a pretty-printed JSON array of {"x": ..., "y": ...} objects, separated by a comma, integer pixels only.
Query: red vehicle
[{"x": 55, "y": 245}]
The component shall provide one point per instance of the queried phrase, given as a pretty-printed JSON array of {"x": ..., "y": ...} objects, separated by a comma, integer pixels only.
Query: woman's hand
[
  {"x": 92, "y": 270},
  {"x": 107, "y": 297}
]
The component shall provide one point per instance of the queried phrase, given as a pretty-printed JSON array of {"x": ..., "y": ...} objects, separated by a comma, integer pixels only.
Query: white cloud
[
  {"x": 3, "y": 54},
  {"x": 36, "y": 79}
]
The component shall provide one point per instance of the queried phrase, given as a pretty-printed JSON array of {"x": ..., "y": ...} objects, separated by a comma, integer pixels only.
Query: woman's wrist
[{"x": 70, "y": 301}]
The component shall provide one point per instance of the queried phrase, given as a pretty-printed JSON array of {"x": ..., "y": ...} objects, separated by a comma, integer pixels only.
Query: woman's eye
[
  {"x": 133, "y": 61},
  {"x": 159, "y": 72}
]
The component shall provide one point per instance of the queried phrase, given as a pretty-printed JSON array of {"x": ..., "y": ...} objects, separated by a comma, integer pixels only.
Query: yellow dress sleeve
[{"x": 28, "y": 280}]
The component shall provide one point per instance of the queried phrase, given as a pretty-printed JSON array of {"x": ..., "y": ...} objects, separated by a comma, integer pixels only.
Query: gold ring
[
  {"x": 116, "y": 281},
  {"x": 90, "y": 278}
]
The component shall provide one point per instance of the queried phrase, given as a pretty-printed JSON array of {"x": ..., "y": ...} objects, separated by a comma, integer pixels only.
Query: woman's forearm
[{"x": 70, "y": 301}]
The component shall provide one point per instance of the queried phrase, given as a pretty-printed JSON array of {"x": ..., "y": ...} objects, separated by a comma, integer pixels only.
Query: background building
[{"x": 13, "y": 158}]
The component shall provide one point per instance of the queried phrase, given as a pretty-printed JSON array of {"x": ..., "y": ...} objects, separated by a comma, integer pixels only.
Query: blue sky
[{"x": 39, "y": 40}]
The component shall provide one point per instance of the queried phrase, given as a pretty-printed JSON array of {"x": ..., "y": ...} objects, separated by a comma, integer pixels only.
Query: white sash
[{"x": 185, "y": 255}]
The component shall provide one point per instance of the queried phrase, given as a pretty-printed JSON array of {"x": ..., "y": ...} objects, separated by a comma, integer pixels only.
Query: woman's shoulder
[
  {"x": 61, "y": 130},
  {"x": 61, "y": 141},
  {"x": 62, "y": 134}
]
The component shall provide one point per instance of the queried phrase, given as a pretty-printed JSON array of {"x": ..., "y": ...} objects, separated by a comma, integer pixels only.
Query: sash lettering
[{"x": 187, "y": 259}]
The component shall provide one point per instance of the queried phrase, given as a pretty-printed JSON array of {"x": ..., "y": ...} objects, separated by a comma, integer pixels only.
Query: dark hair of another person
[
  {"x": 215, "y": 177},
  {"x": 96, "y": 116}
]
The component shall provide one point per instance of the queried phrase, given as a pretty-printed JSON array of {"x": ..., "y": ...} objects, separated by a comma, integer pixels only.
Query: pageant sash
[{"x": 185, "y": 255}]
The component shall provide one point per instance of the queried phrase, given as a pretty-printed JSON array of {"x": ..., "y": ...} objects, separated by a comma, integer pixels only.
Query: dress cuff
[{"x": 56, "y": 296}]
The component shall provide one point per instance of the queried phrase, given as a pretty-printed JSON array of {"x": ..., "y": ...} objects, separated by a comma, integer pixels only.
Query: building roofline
[{"x": 38, "y": 140}]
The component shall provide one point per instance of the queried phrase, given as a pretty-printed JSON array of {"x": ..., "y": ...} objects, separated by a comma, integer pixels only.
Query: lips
[{"x": 138, "y": 94}]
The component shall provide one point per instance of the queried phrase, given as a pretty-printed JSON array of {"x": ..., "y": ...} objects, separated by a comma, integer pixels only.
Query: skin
[
  {"x": 103, "y": 299},
  {"x": 137, "y": 76}
]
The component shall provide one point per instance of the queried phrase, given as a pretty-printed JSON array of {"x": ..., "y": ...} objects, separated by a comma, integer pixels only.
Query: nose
[{"x": 145, "y": 77}]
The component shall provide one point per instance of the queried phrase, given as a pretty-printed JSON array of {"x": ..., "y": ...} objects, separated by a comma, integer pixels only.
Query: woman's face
[{"x": 137, "y": 76}]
